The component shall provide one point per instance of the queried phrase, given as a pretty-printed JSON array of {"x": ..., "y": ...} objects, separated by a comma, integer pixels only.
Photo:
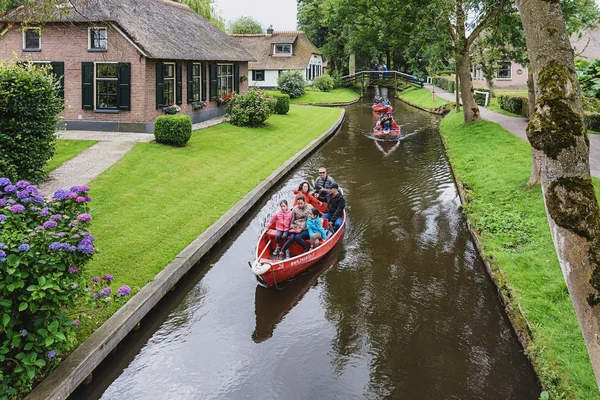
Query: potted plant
[
  {"x": 171, "y": 109},
  {"x": 198, "y": 105},
  {"x": 223, "y": 99},
  {"x": 243, "y": 78}
]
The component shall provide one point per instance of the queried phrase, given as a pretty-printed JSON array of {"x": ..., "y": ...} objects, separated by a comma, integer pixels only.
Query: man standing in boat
[
  {"x": 322, "y": 184},
  {"x": 335, "y": 207}
]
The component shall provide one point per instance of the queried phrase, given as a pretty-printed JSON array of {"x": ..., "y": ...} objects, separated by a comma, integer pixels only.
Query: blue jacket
[{"x": 314, "y": 226}]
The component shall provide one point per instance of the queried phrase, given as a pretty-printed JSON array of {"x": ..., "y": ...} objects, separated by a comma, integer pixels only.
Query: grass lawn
[
  {"x": 495, "y": 165},
  {"x": 339, "y": 95},
  {"x": 65, "y": 150},
  {"x": 157, "y": 199},
  {"x": 421, "y": 97}
]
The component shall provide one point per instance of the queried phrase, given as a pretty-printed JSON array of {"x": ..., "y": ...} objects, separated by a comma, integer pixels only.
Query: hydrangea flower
[
  {"x": 55, "y": 246},
  {"x": 2, "y": 245},
  {"x": 124, "y": 290},
  {"x": 23, "y": 247},
  {"x": 56, "y": 217},
  {"x": 24, "y": 332},
  {"x": 50, "y": 224},
  {"x": 84, "y": 217},
  {"x": 71, "y": 195},
  {"x": 76, "y": 322},
  {"x": 105, "y": 292},
  {"x": 2, "y": 254},
  {"x": 3, "y": 202},
  {"x": 17, "y": 208},
  {"x": 73, "y": 269},
  {"x": 2, "y": 217},
  {"x": 80, "y": 199},
  {"x": 22, "y": 194},
  {"x": 44, "y": 212},
  {"x": 82, "y": 189},
  {"x": 96, "y": 279},
  {"x": 109, "y": 278},
  {"x": 22, "y": 184},
  {"x": 10, "y": 189},
  {"x": 4, "y": 182},
  {"x": 52, "y": 354}
]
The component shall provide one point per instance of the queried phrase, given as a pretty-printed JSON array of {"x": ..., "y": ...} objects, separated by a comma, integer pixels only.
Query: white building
[{"x": 279, "y": 52}]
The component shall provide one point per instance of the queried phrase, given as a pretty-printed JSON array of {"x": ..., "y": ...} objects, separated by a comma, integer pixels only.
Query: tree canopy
[{"x": 245, "y": 25}]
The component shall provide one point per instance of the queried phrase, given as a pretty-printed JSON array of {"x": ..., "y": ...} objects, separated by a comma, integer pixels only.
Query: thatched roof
[
  {"x": 261, "y": 48},
  {"x": 162, "y": 29}
]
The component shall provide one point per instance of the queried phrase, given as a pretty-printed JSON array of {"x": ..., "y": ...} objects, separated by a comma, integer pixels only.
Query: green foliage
[
  {"x": 251, "y": 109},
  {"x": 589, "y": 77},
  {"x": 591, "y": 104},
  {"x": 324, "y": 83},
  {"x": 282, "y": 105},
  {"x": 245, "y": 25},
  {"x": 592, "y": 121},
  {"x": 511, "y": 227},
  {"x": 291, "y": 83},
  {"x": 29, "y": 104},
  {"x": 337, "y": 79},
  {"x": 174, "y": 130},
  {"x": 207, "y": 9},
  {"x": 445, "y": 83},
  {"x": 515, "y": 104},
  {"x": 44, "y": 248}
]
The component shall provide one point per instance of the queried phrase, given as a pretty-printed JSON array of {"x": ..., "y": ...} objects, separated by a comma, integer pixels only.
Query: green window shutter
[
  {"x": 87, "y": 85},
  {"x": 203, "y": 68},
  {"x": 124, "y": 87},
  {"x": 213, "y": 81},
  {"x": 58, "y": 69},
  {"x": 160, "y": 86},
  {"x": 236, "y": 77},
  {"x": 190, "y": 82},
  {"x": 178, "y": 83}
]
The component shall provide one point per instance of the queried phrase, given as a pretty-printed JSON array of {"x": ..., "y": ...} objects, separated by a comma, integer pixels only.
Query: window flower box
[{"x": 171, "y": 109}]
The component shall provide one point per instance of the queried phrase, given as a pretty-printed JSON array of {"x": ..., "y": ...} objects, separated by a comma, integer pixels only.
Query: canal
[{"x": 401, "y": 309}]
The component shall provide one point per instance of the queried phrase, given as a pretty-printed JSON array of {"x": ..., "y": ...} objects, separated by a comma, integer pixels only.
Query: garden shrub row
[
  {"x": 447, "y": 84},
  {"x": 515, "y": 104}
]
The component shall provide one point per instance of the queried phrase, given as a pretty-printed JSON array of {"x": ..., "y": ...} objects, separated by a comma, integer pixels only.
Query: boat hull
[{"x": 380, "y": 108}]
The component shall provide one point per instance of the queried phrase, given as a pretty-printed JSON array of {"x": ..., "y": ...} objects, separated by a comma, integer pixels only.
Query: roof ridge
[
  {"x": 175, "y": 4},
  {"x": 297, "y": 32}
]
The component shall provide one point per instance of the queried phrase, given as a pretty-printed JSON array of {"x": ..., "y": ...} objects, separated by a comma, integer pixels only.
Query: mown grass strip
[
  {"x": 494, "y": 166},
  {"x": 339, "y": 95},
  {"x": 157, "y": 199},
  {"x": 65, "y": 150},
  {"x": 422, "y": 97}
]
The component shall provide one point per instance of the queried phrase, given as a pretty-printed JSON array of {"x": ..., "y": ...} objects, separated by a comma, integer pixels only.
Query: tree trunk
[
  {"x": 456, "y": 90},
  {"x": 463, "y": 67},
  {"x": 557, "y": 135},
  {"x": 534, "y": 179}
]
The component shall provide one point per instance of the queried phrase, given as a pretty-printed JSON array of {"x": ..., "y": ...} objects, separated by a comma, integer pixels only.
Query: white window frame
[
  {"x": 90, "y": 29},
  {"x": 104, "y": 79},
  {"x": 283, "y": 53},
  {"x": 199, "y": 78},
  {"x": 509, "y": 70},
  {"x": 220, "y": 77},
  {"x": 174, "y": 83},
  {"x": 25, "y": 40}
]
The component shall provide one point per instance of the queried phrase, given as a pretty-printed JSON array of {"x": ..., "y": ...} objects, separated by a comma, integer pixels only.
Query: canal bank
[
  {"x": 103, "y": 340},
  {"x": 403, "y": 308}
]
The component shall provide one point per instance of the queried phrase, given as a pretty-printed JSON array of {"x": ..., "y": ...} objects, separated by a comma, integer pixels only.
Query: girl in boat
[
  {"x": 298, "y": 231},
  {"x": 304, "y": 190},
  {"x": 282, "y": 220},
  {"x": 314, "y": 224}
]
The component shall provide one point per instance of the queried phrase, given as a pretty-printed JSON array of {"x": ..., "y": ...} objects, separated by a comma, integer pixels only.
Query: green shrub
[
  {"x": 174, "y": 130},
  {"x": 251, "y": 109},
  {"x": 324, "y": 83},
  {"x": 282, "y": 103},
  {"x": 337, "y": 79},
  {"x": 591, "y": 104},
  {"x": 445, "y": 83},
  {"x": 29, "y": 104},
  {"x": 515, "y": 104},
  {"x": 592, "y": 121},
  {"x": 480, "y": 97},
  {"x": 291, "y": 83}
]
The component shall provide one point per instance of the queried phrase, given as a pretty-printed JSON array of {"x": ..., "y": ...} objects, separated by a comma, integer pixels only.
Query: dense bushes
[
  {"x": 480, "y": 97},
  {"x": 445, "y": 83},
  {"x": 251, "y": 109},
  {"x": 282, "y": 103},
  {"x": 514, "y": 104},
  {"x": 324, "y": 83},
  {"x": 29, "y": 103},
  {"x": 174, "y": 130},
  {"x": 337, "y": 79},
  {"x": 291, "y": 83}
]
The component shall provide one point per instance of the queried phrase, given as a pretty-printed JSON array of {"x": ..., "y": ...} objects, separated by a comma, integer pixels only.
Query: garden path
[
  {"x": 518, "y": 126},
  {"x": 90, "y": 163}
]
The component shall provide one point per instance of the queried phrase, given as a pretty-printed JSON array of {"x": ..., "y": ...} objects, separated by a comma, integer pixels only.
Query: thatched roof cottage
[
  {"x": 123, "y": 61},
  {"x": 278, "y": 52}
]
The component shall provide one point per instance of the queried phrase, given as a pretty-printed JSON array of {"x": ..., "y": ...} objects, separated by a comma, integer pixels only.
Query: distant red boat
[
  {"x": 270, "y": 271},
  {"x": 380, "y": 132},
  {"x": 382, "y": 108}
]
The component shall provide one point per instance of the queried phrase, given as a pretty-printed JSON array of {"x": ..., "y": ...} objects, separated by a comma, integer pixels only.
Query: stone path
[
  {"x": 518, "y": 126},
  {"x": 90, "y": 163}
]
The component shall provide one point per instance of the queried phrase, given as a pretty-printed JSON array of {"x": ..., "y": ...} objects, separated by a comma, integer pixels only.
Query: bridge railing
[{"x": 374, "y": 76}]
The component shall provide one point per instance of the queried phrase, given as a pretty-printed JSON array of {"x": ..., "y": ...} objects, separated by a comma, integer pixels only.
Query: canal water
[{"x": 401, "y": 309}]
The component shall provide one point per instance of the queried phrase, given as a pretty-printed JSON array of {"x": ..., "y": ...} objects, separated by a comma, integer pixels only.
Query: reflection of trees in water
[{"x": 183, "y": 315}]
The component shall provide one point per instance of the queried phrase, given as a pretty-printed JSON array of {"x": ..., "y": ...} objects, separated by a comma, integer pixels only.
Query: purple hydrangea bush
[{"x": 44, "y": 248}]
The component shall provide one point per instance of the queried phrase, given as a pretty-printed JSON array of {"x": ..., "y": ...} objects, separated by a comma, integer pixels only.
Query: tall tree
[
  {"x": 245, "y": 25},
  {"x": 207, "y": 9},
  {"x": 560, "y": 145}
]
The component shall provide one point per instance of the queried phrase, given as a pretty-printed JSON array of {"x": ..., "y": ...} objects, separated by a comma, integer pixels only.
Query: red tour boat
[
  {"x": 381, "y": 108},
  {"x": 270, "y": 271}
]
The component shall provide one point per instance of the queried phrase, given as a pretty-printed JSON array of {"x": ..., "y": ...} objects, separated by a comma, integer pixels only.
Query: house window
[
  {"x": 169, "y": 83},
  {"x": 97, "y": 39},
  {"x": 258, "y": 75},
  {"x": 32, "y": 39},
  {"x": 106, "y": 86},
  {"x": 196, "y": 79},
  {"x": 504, "y": 71},
  {"x": 283, "y": 49},
  {"x": 224, "y": 79}
]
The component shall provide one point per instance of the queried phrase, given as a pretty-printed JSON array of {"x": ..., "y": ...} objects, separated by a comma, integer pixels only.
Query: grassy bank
[
  {"x": 339, "y": 95},
  {"x": 65, "y": 150},
  {"x": 157, "y": 199},
  {"x": 422, "y": 97},
  {"x": 494, "y": 166}
]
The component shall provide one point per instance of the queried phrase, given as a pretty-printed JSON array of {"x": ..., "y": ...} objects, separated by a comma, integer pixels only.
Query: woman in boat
[
  {"x": 304, "y": 190},
  {"x": 298, "y": 230},
  {"x": 314, "y": 224},
  {"x": 282, "y": 220}
]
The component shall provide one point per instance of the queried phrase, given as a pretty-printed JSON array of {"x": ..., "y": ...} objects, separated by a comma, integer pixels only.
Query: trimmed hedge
[
  {"x": 444, "y": 83},
  {"x": 515, "y": 104},
  {"x": 282, "y": 105},
  {"x": 174, "y": 130},
  {"x": 480, "y": 98},
  {"x": 592, "y": 121}
]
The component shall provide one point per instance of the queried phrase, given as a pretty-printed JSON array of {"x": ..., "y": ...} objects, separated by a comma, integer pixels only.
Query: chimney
[{"x": 270, "y": 30}]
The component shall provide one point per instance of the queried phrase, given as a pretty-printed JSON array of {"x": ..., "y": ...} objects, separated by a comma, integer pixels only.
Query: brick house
[
  {"x": 278, "y": 52},
  {"x": 123, "y": 61}
]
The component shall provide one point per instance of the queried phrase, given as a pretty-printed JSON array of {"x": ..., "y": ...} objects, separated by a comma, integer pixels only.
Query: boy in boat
[
  {"x": 335, "y": 208},
  {"x": 322, "y": 184},
  {"x": 314, "y": 224}
]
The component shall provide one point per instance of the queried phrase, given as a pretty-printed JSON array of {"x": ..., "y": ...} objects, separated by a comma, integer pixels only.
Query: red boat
[
  {"x": 270, "y": 271},
  {"x": 382, "y": 108},
  {"x": 379, "y": 132}
]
